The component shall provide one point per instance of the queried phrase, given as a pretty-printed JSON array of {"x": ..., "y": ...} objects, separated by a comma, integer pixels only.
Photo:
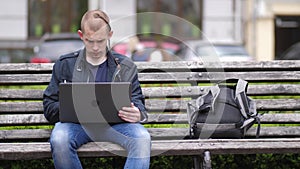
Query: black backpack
[{"x": 225, "y": 111}]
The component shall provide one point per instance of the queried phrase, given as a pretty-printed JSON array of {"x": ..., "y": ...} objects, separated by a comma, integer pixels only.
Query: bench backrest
[{"x": 168, "y": 87}]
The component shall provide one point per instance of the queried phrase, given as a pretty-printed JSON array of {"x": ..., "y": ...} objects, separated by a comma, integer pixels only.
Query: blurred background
[{"x": 250, "y": 29}]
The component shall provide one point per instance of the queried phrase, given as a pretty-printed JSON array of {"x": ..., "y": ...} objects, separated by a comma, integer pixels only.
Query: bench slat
[
  {"x": 174, "y": 77},
  {"x": 161, "y": 118},
  {"x": 19, "y": 94},
  {"x": 156, "y": 133},
  {"x": 170, "y": 66},
  {"x": 190, "y": 91},
  {"x": 15, "y": 107},
  {"x": 217, "y": 76},
  {"x": 228, "y": 66},
  {"x": 18, "y": 151},
  {"x": 273, "y": 132},
  {"x": 25, "y": 68},
  {"x": 183, "y": 65},
  {"x": 261, "y": 104},
  {"x": 153, "y": 92},
  {"x": 157, "y": 105},
  {"x": 23, "y": 119},
  {"x": 25, "y": 79},
  {"x": 25, "y": 134}
]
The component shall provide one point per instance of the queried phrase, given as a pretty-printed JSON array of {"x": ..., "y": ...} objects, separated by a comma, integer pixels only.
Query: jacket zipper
[{"x": 117, "y": 74}]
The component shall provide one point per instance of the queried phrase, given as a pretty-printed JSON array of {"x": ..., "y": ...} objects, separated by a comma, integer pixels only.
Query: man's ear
[
  {"x": 80, "y": 34},
  {"x": 110, "y": 34}
]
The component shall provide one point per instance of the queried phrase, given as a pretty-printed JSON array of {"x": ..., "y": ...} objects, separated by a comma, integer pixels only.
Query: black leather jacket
[{"x": 72, "y": 67}]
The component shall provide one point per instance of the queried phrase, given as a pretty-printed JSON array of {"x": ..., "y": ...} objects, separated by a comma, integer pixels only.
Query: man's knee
[
  {"x": 141, "y": 143},
  {"x": 59, "y": 138}
]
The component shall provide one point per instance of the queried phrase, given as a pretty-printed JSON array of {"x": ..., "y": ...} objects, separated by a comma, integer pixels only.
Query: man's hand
[{"x": 130, "y": 114}]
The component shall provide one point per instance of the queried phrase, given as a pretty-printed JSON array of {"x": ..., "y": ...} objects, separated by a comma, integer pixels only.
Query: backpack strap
[
  {"x": 215, "y": 91},
  {"x": 191, "y": 111},
  {"x": 241, "y": 97},
  {"x": 247, "y": 105},
  {"x": 258, "y": 126}
]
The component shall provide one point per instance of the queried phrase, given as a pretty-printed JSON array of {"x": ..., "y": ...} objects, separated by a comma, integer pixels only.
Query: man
[{"x": 95, "y": 63}]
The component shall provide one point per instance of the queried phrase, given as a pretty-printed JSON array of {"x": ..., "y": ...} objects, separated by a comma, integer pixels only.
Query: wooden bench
[{"x": 168, "y": 87}]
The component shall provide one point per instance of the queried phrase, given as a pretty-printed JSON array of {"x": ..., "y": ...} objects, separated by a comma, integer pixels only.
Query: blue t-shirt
[{"x": 100, "y": 71}]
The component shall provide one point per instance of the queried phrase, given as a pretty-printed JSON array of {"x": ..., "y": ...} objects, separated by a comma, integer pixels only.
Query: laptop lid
[{"x": 93, "y": 102}]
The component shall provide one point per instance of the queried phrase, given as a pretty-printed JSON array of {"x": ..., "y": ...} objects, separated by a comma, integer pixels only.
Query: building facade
[{"x": 272, "y": 27}]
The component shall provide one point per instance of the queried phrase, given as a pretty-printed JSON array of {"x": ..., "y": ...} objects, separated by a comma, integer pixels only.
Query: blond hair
[{"x": 95, "y": 19}]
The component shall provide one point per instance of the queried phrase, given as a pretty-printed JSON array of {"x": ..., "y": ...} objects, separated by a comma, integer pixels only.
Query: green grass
[
  {"x": 42, "y": 87},
  {"x": 26, "y": 127},
  {"x": 166, "y": 125}
]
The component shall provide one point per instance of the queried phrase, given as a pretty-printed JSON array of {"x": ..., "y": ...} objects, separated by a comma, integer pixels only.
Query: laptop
[{"x": 96, "y": 103}]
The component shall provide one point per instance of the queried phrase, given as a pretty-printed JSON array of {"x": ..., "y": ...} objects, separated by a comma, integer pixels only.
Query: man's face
[{"x": 95, "y": 42}]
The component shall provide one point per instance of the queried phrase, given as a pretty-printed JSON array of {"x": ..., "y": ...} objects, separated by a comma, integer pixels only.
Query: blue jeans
[{"x": 66, "y": 138}]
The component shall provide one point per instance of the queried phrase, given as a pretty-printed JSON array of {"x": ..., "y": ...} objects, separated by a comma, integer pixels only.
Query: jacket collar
[{"x": 113, "y": 64}]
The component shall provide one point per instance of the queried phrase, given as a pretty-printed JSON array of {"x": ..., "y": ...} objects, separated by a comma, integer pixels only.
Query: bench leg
[
  {"x": 202, "y": 161},
  {"x": 206, "y": 163},
  {"x": 197, "y": 161}
]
